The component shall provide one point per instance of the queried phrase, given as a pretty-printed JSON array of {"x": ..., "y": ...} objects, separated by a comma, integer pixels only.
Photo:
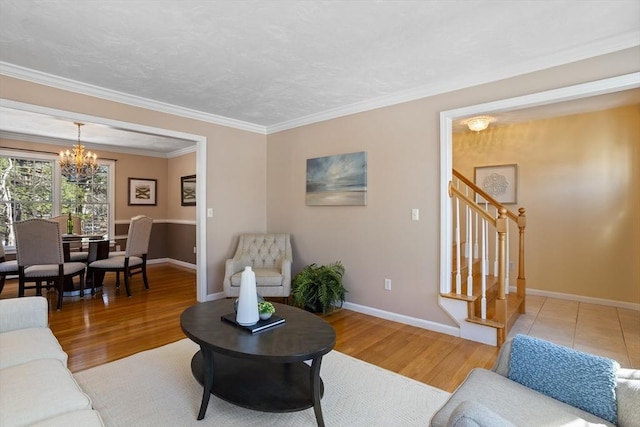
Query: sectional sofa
[{"x": 36, "y": 388}]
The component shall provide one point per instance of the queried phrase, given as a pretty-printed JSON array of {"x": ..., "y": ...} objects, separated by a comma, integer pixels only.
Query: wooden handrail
[
  {"x": 484, "y": 195},
  {"x": 454, "y": 190}
]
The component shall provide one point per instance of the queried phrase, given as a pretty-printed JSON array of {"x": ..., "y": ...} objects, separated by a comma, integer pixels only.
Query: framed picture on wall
[
  {"x": 143, "y": 191},
  {"x": 188, "y": 190},
  {"x": 500, "y": 182},
  {"x": 339, "y": 180}
]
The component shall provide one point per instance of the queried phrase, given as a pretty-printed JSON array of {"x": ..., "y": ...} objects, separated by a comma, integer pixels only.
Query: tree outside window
[
  {"x": 88, "y": 199},
  {"x": 27, "y": 188}
]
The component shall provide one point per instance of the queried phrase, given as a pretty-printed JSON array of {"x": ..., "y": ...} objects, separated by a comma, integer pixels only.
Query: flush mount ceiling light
[{"x": 479, "y": 123}]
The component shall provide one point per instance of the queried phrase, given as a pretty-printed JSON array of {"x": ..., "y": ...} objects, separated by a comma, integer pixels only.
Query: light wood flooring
[{"x": 109, "y": 326}]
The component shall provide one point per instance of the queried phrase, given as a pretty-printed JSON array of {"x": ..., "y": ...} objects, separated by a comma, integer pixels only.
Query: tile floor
[{"x": 597, "y": 329}]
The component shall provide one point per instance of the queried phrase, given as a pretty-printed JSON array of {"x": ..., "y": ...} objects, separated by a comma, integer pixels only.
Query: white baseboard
[
  {"x": 183, "y": 264},
  {"x": 172, "y": 261},
  {"x": 407, "y": 320},
  {"x": 217, "y": 295},
  {"x": 580, "y": 298},
  {"x": 401, "y": 318},
  {"x": 452, "y": 330}
]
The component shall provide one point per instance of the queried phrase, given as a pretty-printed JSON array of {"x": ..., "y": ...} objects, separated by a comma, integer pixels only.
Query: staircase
[{"x": 478, "y": 297}]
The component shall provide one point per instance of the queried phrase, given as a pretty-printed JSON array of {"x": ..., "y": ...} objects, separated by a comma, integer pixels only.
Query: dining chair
[
  {"x": 40, "y": 258},
  {"x": 7, "y": 268},
  {"x": 134, "y": 258}
]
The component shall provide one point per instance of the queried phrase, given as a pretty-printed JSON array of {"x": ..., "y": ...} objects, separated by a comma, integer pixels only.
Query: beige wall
[
  {"x": 178, "y": 167},
  {"x": 236, "y": 164},
  {"x": 376, "y": 241},
  {"x": 133, "y": 166},
  {"x": 579, "y": 180},
  {"x": 379, "y": 240}
]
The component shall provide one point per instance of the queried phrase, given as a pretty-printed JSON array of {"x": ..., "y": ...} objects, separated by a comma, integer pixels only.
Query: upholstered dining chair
[
  {"x": 134, "y": 258},
  {"x": 7, "y": 268},
  {"x": 40, "y": 257},
  {"x": 269, "y": 256}
]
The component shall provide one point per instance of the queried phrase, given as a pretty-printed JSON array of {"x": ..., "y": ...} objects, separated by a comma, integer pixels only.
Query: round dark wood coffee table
[{"x": 264, "y": 371}]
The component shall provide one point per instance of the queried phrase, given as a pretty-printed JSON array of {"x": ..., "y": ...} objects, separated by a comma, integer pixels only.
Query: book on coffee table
[{"x": 257, "y": 327}]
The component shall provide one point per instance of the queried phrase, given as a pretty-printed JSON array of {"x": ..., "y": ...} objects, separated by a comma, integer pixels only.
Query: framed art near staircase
[{"x": 499, "y": 181}]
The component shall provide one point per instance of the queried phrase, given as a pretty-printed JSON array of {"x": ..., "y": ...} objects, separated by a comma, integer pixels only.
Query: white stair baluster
[
  {"x": 483, "y": 301},
  {"x": 475, "y": 243},
  {"x": 495, "y": 255},
  {"x": 469, "y": 253},
  {"x": 458, "y": 254},
  {"x": 506, "y": 273}
]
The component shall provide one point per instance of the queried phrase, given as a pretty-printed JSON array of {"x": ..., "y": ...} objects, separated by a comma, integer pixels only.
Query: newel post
[
  {"x": 501, "y": 301},
  {"x": 521, "y": 283}
]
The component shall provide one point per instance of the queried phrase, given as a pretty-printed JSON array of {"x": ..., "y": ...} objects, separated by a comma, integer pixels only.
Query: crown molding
[
  {"x": 182, "y": 151},
  {"x": 603, "y": 47},
  {"x": 22, "y": 73}
]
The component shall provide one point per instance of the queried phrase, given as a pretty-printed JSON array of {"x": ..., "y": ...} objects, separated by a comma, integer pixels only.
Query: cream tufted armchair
[{"x": 269, "y": 256}]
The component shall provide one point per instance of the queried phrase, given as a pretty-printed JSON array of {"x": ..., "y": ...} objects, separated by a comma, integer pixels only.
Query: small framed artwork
[
  {"x": 143, "y": 191},
  {"x": 500, "y": 182},
  {"x": 188, "y": 190}
]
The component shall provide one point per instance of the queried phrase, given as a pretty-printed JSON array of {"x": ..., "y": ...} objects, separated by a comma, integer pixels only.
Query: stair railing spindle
[
  {"x": 506, "y": 273},
  {"x": 457, "y": 247},
  {"x": 469, "y": 253},
  {"x": 495, "y": 255},
  {"x": 483, "y": 301},
  {"x": 475, "y": 243}
]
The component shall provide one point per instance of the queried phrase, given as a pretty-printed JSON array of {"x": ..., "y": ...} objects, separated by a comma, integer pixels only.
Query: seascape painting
[{"x": 339, "y": 180}]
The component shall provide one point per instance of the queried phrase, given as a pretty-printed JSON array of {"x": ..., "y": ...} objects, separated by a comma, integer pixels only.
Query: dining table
[{"x": 97, "y": 247}]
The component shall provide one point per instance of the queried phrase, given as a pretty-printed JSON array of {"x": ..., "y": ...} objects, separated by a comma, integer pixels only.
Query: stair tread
[
  {"x": 486, "y": 322},
  {"x": 461, "y": 297},
  {"x": 513, "y": 303}
]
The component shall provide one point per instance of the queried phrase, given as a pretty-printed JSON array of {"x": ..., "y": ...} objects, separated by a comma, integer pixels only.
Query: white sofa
[{"x": 36, "y": 388}]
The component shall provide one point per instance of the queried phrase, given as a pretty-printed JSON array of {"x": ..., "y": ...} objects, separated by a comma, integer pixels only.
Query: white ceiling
[{"x": 271, "y": 65}]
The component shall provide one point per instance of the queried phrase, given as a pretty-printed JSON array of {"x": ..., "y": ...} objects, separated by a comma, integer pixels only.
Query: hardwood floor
[
  {"x": 436, "y": 359},
  {"x": 109, "y": 326}
]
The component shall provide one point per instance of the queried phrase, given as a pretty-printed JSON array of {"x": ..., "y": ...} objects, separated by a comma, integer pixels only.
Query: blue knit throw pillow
[{"x": 579, "y": 379}]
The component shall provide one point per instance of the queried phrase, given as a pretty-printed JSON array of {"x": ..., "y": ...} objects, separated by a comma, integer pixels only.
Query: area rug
[{"x": 156, "y": 388}]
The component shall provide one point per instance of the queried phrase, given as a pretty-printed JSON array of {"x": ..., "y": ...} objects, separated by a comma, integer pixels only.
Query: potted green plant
[
  {"x": 265, "y": 309},
  {"x": 318, "y": 288}
]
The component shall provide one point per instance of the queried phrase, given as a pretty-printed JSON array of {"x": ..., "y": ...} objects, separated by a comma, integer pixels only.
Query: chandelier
[
  {"x": 75, "y": 163},
  {"x": 479, "y": 123}
]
